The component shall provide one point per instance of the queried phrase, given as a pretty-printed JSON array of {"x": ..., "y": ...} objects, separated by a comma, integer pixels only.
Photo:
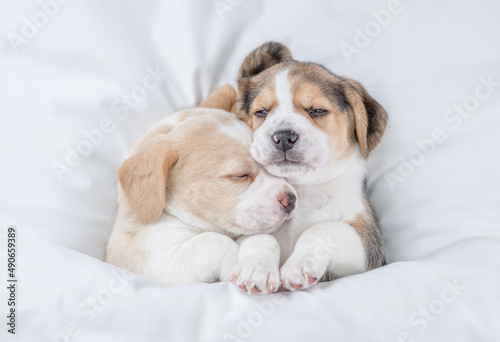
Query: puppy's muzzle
[
  {"x": 284, "y": 140},
  {"x": 288, "y": 202}
]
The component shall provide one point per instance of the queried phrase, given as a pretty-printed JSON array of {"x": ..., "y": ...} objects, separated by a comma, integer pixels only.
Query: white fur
[
  {"x": 181, "y": 247},
  {"x": 260, "y": 202},
  {"x": 258, "y": 265},
  {"x": 312, "y": 147},
  {"x": 180, "y": 253},
  {"x": 239, "y": 131},
  {"x": 316, "y": 239}
]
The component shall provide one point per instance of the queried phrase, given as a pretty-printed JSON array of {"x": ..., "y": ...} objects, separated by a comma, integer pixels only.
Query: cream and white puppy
[
  {"x": 316, "y": 129},
  {"x": 195, "y": 207}
]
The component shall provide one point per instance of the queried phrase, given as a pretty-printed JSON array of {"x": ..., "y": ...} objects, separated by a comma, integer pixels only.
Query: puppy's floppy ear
[
  {"x": 262, "y": 58},
  {"x": 221, "y": 98},
  {"x": 369, "y": 116},
  {"x": 143, "y": 178}
]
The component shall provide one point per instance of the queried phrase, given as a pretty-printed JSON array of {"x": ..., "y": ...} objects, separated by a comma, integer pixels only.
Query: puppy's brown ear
[
  {"x": 369, "y": 116},
  {"x": 143, "y": 178},
  {"x": 221, "y": 98},
  {"x": 262, "y": 58}
]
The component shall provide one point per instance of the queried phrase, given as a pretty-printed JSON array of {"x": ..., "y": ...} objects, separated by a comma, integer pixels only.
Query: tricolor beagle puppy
[{"x": 316, "y": 130}]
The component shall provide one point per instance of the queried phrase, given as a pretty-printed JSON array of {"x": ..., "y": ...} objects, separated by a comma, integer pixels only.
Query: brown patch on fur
[
  {"x": 312, "y": 87},
  {"x": 370, "y": 117},
  {"x": 335, "y": 125},
  {"x": 159, "y": 130},
  {"x": 143, "y": 178},
  {"x": 250, "y": 88},
  {"x": 254, "y": 72},
  {"x": 174, "y": 167},
  {"x": 265, "y": 100},
  {"x": 222, "y": 98},
  {"x": 368, "y": 229},
  {"x": 365, "y": 120},
  {"x": 262, "y": 58},
  {"x": 354, "y": 118},
  {"x": 188, "y": 114},
  {"x": 199, "y": 184}
]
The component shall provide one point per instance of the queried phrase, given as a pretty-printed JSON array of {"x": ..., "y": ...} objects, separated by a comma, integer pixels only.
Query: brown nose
[{"x": 288, "y": 202}]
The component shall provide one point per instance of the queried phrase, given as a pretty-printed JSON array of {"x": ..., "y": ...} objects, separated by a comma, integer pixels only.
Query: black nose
[
  {"x": 288, "y": 202},
  {"x": 284, "y": 140}
]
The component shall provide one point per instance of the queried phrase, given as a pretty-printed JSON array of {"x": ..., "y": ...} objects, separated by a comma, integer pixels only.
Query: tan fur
[
  {"x": 210, "y": 184},
  {"x": 222, "y": 98},
  {"x": 355, "y": 121},
  {"x": 370, "y": 117},
  {"x": 266, "y": 100},
  {"x": 181, "y": 199},
  {"x": 307, "y": 95},
  {"x": 145, "y": 175},
  {"x": 366, "y": 119},
  {"x": 336, "y": 126},
  {"x": 363, "y": 225},
  {"x": 143, "y": 178},
  {"x": 164, "y": 158}
]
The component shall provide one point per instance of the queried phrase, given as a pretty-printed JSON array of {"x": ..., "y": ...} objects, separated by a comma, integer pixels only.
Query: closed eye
[
  {"x": 240, "y": 177},
  {"x": 261, "y": 113},
  {"x": 317, "y": 112}
]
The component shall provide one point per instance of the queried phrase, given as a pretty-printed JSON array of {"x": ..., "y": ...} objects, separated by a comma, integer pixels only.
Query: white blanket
[{"x": 81, "y": 81}]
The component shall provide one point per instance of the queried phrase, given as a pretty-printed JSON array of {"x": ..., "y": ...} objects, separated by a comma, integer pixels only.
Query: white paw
[
  {"x": 256, "y": 276},
  {"x": 299, "y": 273}
]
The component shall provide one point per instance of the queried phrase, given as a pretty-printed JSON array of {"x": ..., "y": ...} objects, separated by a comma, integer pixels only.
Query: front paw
[
  {"x": 256, "y": 277},
  {"x": 299, "y": 273}
]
